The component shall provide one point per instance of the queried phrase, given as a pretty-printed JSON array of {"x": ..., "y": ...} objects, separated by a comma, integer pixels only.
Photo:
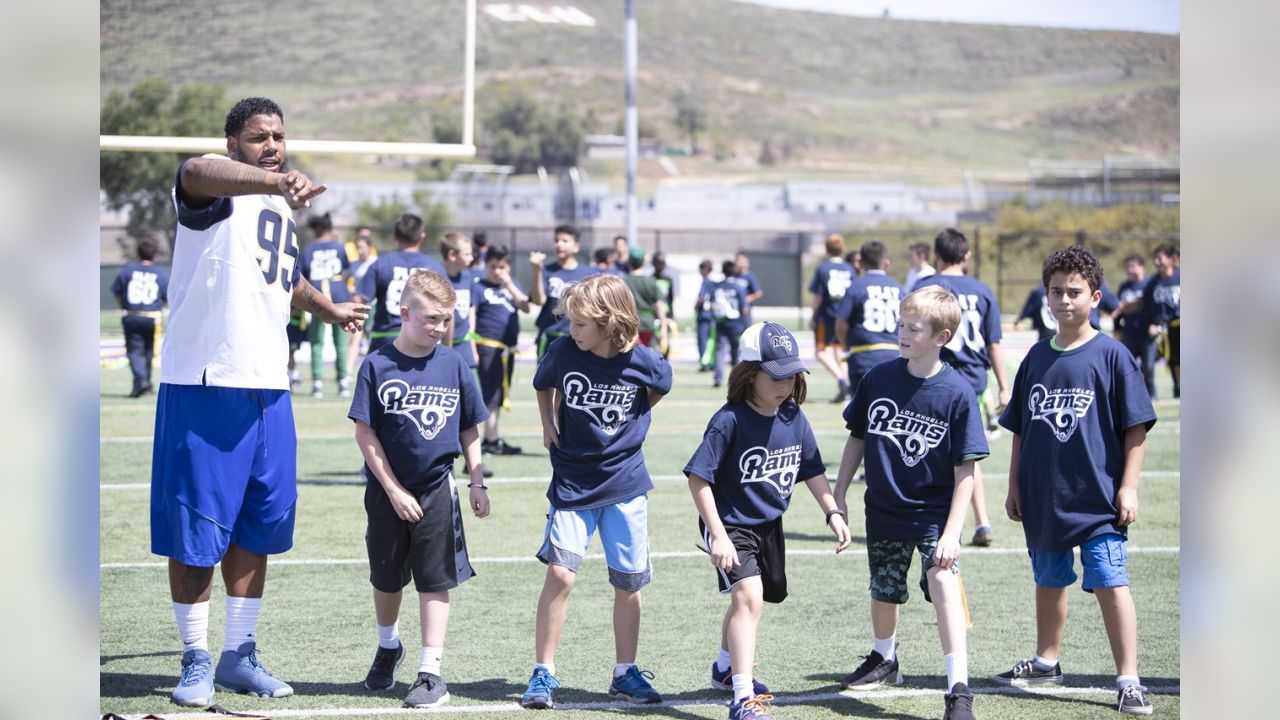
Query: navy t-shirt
[
  {"x": 554, "y": 280},
  {"x": 753, "y": 461},
  {"x": 1133, "y": 324},
  {"x": 1071, "y": 409},
  {"x": 707, "y": 294},
  {"x": 979, "y": 326},
  {"x": 830, "y": 282},
  {"x": 323, "y": 264},
  {"x": 496, "y": 312},
  {"x": 729, "y": 306},
  {"x": 418, "y": 407},
  {"x": 1036, "y": 308},
  {"x": 141, "y": 288},
  {"x": 603, "y": 417},
  {"x": 871, "y": 308},
  {"x": 1162, "y": 298},
  {"x": 464, "y": 287},
  {"x": 917, "y": 430},
  {"x": 384, "y": 281},
  {"x": 750, "y": 285}
]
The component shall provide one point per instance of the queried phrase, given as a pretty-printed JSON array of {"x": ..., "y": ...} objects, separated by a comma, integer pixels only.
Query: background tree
[
  {"x": 523, "y": 133},
  {"x": 691, "y": 116},
  {"x": 141, "y": 182}
]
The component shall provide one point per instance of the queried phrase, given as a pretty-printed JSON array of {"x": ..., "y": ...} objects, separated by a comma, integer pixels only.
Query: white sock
[
  {"x": 431, "y": 660},
  {"x": 193, "y": 625},
  {"x": 885, "y": 646},
  {"x": 742, "y": 687},
  {"x": 722, "y": 660},
  {"x": 242, "y": 622},
  {"x": 1122, "y": 680},
  {"x": 957, "y": 669},
  {"x": 549, "y": 667},
  {"x": 620, "y": 669},
  {"x": 1042, "y": 664},
  {"x": 389, "y": 636}
]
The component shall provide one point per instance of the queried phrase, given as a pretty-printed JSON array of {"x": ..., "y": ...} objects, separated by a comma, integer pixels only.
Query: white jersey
[{"x": 234, "y": 268}]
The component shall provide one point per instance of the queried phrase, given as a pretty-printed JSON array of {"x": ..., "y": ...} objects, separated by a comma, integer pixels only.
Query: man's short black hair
[
  {"x": 1074, "y": 259},
  {"x": 320, "y": 224},
  {"x": 1168, "y": 250},
  {"x": 566, "y": 230},
  {"x": 147, "y": 249},
  {"x": 494, "y": 253},
  {"x": 705, "y": 265},
  {"x": 729, "y": 268},
  {"x": 873, "y": 252},
  {"x": 951, "y": 246},
  {"x": 408, "y": 229},
  {"x": 246, "y": 109},
  {"x": 601, "y": 254},
  {"x": 1136, "y": 258}
]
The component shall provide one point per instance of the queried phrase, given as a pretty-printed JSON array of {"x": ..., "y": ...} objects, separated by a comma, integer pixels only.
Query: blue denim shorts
[{"x": 1105, "y": 559}]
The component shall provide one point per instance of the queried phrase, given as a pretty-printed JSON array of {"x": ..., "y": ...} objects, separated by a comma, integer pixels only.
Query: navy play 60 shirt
[
  {"x": 917, "y": 430},
  {"x": 1071, "y": 409},
  {"x": 417, "y": 407},
  {"x": 753, "y": 461},
  {"x": 603, "y": 417}
]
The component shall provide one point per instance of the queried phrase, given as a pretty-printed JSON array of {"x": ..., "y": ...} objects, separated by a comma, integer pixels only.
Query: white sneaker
[
  {"x": 344, "y": 387},
  {"x": 317, "y": 389}
]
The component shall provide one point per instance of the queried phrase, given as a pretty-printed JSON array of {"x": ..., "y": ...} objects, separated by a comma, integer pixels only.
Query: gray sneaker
[
  {"x": 427, "y": 691},
  {"x": 1025, "y": 674},
  {"x": 1132, "y": 699},
  {"x": 195, "y": 688},
  {"x": 382, "y": 673},
  {"x": 873, "y": 671}
]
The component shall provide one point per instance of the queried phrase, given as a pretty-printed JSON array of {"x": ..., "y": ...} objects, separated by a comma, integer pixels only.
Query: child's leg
[
  {"x": 491, "y": 424},
  {"x": 340, "y": 349},
  {"x": 1121, "y": 620},
  {"x": 626, "y": 625},
  {"x": 433, "y": 608},
  {"x": 979, "y": 499},
  {"x": 1051, "y": 619},
  {"x": 944, "y": 588},
  {"x": 386, "y": 607},
  {"x": 741, "y": 621},
  {"x": 552, "y": 604},
  {"x": 884, "y": 620}
]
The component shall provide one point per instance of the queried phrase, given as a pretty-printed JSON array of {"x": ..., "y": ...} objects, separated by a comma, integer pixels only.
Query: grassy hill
[{"x": 830, "y": 93}]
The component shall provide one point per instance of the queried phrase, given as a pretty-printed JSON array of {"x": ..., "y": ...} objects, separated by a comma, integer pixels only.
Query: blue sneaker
[
  {"x": 239, "y": 671},
  {"x": 633, "y": 686},
  {"x": 195, "y": 688},
  {"x": 752, "y": 708},
  {"x": 542, "y": 686},
  {"x": 724, "y": 681}
]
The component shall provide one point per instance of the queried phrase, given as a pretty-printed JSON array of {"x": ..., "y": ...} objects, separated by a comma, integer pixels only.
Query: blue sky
[{"x": 1158, "y": 16}]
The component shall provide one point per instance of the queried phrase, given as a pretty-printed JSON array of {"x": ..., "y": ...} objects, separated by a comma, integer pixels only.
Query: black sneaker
[
  {"x": 382, "y": 673},
  {"x": 959, "y": 703},
  {"x": 1132, "y": 699},
  {"x": 502, "y": 447},
  {"x": 842, "y": 393},
  {"x": 427, "y": 691},
  {"x": 485, "y": 472},
  {"x": 1025, "y": 674},
  {"x": 873, "y": 671}
]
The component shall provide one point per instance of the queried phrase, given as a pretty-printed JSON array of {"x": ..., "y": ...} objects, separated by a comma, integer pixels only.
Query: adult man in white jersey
[{"x": 224, "y": 480}]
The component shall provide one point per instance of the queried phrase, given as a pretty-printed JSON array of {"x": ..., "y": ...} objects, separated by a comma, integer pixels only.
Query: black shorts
[
  {"x": 824, "y": 333},
  {"x": 762, "y": 551},
  {"x": 297, "y": 335},
  {"x": 1171, "y": 348},
  {"x": 490, "y": 368},
  {"x": 432, "y": 551}
]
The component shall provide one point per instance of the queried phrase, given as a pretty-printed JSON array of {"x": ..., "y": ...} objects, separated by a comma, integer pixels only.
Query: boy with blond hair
[
  {"x": 595, "y": 392},
  {"x": 918, "y": 424},
  {"x": 415, "y": 407},
  {"x": 1079, "y": 416}
]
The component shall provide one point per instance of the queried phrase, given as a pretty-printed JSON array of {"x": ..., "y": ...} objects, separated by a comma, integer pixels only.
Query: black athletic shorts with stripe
[
  {"x": 432, "y": 552},
  {"x": 762, "y": 551}
]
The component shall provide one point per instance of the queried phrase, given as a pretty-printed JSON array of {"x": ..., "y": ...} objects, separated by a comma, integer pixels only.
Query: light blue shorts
[
  {"x": 624, "y": 535},
  {"x": 223, "y": 471},
  {"x": 1105, "y": 559}
]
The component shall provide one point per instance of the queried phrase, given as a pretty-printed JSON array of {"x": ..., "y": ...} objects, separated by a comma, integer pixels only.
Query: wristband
[
  {"x": 481, "y": 486},
  {"x": 836, "y": 511}
]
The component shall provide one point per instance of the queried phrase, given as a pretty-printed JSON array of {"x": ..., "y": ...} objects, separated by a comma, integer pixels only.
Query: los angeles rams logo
[
  {"x": 779, "y": 468},
  {"x": 606, "y": 405},
  {"x": 913, "y": 434},
  {"x": 428, "y": 409},
  {"x": 1061, "y": 409},
  {"x": 781, "y": 341}
]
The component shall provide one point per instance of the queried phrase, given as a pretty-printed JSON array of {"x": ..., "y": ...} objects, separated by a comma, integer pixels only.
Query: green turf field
[{"x": 317, "y": 630}]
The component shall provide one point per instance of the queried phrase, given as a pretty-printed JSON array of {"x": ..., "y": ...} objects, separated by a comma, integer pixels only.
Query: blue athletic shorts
[
  {"x": 223, "y": 470},
  {"x": 1105, "y": 559},
  {"x": 624, "y": 535}
]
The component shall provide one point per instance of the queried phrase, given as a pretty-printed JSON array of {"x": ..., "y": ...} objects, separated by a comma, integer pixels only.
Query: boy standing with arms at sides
[
  {"x": 705, "y": 319},
  {"x": 324, "y": 262},
  {"x": 1132, "y": 322},
  {"x": 1080, "y": 418},
  {"x": 497, "y": 331},
  {"x": 1162, "y": 299},
  {"x": 750, "y": 285},
  {"x": 456, "y": 251},
  {"x": 550, "y": 282},
  {"x": 867, "y": 317},
  {"x": 415, "y": 407},
  {"x": 729, "y": 306},
  {"x": 975, "y": 346},
  {"x": 385, "y": 279},
  {"x": 595, "y": 392},
  {"x": 918, "y": 424},
  {"x": 753, "y": 452},
  {"x": 141, "y": 288},
  {"x": 830, "y": 281}
]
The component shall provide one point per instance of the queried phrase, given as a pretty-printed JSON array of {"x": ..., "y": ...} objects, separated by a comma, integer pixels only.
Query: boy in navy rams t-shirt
[
  {"x": 917, "y": 422},
  {"x": 416, "y": 407},
  {"x": 755, "y": 449},
  {"x": 498, "y": 299},
  {"x": 549, "y": 283},
  {"x": 1080, "y": 414},
  {"x": 595, "y": 390}
]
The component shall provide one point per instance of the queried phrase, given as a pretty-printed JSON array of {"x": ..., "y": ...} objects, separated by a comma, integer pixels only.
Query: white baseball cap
[{"x": 774, "y": 347}]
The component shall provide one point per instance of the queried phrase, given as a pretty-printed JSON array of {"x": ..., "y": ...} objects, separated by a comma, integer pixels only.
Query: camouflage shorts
[{"x": 891, "y": 559}]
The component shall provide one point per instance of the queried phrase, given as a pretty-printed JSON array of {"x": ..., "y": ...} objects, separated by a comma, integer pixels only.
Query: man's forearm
[{"x": 211, "y": 178}]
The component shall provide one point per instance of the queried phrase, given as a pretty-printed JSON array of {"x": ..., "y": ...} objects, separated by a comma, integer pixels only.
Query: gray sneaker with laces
[
  {"x": 1025, "y": 674},
  {"x": 427, "y": 691},
  {"x": 1132, "y": 700}
]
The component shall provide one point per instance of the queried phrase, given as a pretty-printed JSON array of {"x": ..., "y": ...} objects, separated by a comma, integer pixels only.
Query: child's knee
[
  {"x": 748, "y": 597},
  {"x": 560, "y": 576}
]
